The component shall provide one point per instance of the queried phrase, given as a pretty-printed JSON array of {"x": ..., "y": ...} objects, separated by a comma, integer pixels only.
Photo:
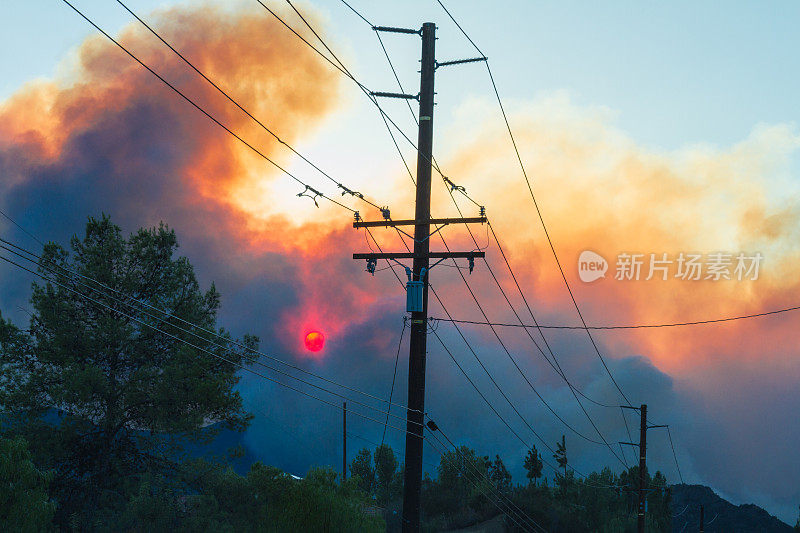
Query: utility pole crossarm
[
  {"x": 394, "y": 223},
  {"x": 390, "y": 29},
  {"x": 460, "y": 61},
  {"x": 395, "y": 95},
  {"x": 413, "y": 255}
]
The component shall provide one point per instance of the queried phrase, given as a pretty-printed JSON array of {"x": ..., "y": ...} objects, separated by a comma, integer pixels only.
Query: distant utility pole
[
  {"x": 702, "y": 519},
  {"x": 344, "y": 442},
  {"x": 642, "y": 467},
  {"x": 642, "y": 445},
  {"x": 418, "y": 275}
]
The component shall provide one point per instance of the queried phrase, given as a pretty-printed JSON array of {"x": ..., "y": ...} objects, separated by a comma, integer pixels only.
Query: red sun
[{"x": 314, "y": 341}]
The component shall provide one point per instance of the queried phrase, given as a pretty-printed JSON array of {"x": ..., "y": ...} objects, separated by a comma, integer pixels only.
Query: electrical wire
[
  {"x": 475, "y": 355},
  {"x": 192, "y": 345},
  {"x": 536, "y": 205},
  {"x": 204, "y": 112},
  {"x": 394, "y": 72},
  {"x": 550, "y": 242},
  {"x": 233, "y": 363},
  {"x": 511, "y": 510},
  {"x": 200, "y": 337},
  {"x": 394, "y": 377},
  {"x": 631, "y": 326},
  {"x": 104, "y": 287},
  {"x": 674, "y": 455},
  {"x": 343, "y": 69},
  {"x": 530, "y": 384},
  {"x": 346, "y": 190}
]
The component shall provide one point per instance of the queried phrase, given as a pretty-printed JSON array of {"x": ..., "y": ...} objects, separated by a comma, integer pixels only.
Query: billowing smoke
[{"x": 108, "y": 137}]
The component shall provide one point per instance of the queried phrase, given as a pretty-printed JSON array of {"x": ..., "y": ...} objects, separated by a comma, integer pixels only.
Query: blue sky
[{"x": 676, "y": 72}]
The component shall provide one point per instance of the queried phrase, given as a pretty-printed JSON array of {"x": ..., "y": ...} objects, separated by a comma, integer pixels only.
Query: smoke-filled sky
[{"x": 644, "y": 129}]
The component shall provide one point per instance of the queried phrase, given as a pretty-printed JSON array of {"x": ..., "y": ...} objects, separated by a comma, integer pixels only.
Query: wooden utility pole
[
  {"x": 412, "y": 477},
  {"x": 702, "y": 519},
  {"x": 420, "y": 272},
  {"x": 344, "y": 442},
  {"x": 642, "y": 467}
]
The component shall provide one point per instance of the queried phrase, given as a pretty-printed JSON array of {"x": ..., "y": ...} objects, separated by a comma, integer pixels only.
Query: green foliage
[
  {"x": 499, "y": 475},
  {"x": 361, "y": 468},
  {"x": 385, "y": 470},
  {"x": 24, "y": 504},
  {"x": 457, "y": 497},
  {"x": 125, "y": 394},
  {"x": 265, "y": 500},
  {"x": 533, "y": 465},
  {"x": 603, "y": 502},
  {"x": 561, "y": 454}
]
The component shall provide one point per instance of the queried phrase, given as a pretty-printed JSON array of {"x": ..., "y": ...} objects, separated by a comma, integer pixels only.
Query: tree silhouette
[
  {"x": 499, "y": 474},
  {"x": 101, "y": 397},
  {"x": 361, "y": 467},
  {"x": 561, "y": 454},
  {"x": 385, "y": 468},
  {"x": 533, "y": 465}
]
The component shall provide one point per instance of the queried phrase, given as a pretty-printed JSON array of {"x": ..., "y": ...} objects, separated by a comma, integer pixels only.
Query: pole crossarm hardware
[
  {"x": 442, "y": 221},
  {"x": 460, "y": 61},
  {"x": 412, "y": 255},
  {"x": 395, "y": 95},
  {"x": 390, "y": 29}
]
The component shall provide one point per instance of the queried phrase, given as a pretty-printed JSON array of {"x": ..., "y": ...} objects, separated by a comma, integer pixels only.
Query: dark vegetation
[{"x": 106, "y": 411}]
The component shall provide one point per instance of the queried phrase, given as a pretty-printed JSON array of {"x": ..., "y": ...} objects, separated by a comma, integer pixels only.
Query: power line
[
  {"x": 446, "y": 180},
  {"x": 452, "y": 187},
  {"x": 469, "y": 346},
  {"x": 206, "y": 113},
  {"x": 192, "y": 345},
  {"x": 671, "y": 445},
  {"x": 189, "y": 332},
  {"x": 527, "y": 380},
  {"x": 168, "y": 315},
  {"x": 345, "y": 190},
  {"x": 345, "y": 71},
  {"x": 628, "y": 326},
  {"x": 233, "y": 363},
  {"x": 550, "y": 242},
  {"x": 476, "y": 471},
  {"x": 536, "y": 204},
  {"x": 475, "y": 241},
  {"x": 394, "y": 377}
]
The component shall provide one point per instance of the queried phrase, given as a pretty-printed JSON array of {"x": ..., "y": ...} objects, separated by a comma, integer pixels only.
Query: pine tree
[
  {"x": 561, "y": 454},
  {"x": 533, "y": 465},
  {"x": 385, "y": 468},
  {"x": 361, "y": 467},
  {"x": 102, "y": 398}
]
